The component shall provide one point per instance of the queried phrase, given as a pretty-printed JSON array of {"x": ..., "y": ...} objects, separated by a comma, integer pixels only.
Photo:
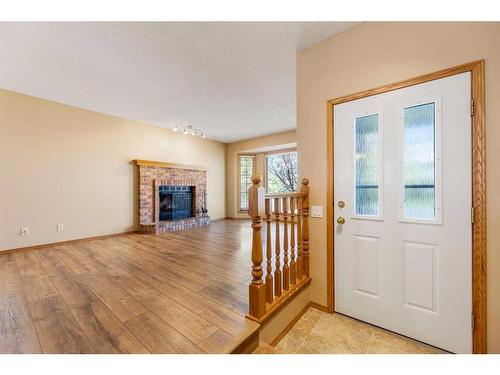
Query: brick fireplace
[{"x": 171, "y": 197}]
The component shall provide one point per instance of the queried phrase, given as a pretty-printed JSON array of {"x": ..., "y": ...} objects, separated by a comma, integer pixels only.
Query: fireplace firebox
[{"x": 176, "y": 202}]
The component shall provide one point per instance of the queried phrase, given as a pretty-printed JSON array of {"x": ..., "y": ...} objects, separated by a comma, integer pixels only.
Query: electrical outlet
[
  {"x": 60, "y": 227},
  {"x": 25, "y": 231}
]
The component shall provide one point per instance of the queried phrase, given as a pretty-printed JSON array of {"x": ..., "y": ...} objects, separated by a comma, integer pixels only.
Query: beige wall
[
  {"x": 60, "y": 164},
  {"x": 233, "y": 149},
  {"x": 271, "y": 329},
  {"x": 374, "y": 54}
]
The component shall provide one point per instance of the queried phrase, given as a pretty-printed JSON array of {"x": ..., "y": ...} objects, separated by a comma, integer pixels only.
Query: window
[
  {"x": 367, "y": 165},
  {"x": 281, "y": 172},
  {"x": 419, "y": 162},
  {"x": 246, "y": 169}
]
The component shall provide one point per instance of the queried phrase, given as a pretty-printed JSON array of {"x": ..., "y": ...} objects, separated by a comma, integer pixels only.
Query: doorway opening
[{"x": 431, "y": 209}]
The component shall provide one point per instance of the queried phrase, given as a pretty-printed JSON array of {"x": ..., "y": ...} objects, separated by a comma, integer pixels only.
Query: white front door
[{"x": 402, "y": 168}]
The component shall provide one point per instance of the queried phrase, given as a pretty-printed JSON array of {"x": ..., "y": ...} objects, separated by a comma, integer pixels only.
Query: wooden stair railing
[{"x": 290, "y": 213}]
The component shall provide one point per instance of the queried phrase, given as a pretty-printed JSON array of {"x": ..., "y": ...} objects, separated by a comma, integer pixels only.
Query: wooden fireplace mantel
[{"x": 153, "y": 163}]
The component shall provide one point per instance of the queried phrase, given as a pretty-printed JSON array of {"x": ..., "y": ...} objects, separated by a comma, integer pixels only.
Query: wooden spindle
[
  {"x": 293, "y": 266},
  {"x": 286, "y": 268},
  {"x": 277, "y": 271},
  {"x": 305, "y": 225},
  {"x": 300, "y": 263},
  {"x": 269, "y": 254},
  {"x": 257, "y": 289}
]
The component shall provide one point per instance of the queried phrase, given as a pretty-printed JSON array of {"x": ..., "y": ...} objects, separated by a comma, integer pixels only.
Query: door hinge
[
  {"x": 472, "y": 322},
  {"x": 472, "y": 215},
  {"x": 471, "y": 107}
]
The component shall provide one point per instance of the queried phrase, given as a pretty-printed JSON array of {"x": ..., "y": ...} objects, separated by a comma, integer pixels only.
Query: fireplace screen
[{"x": 176, "y": 202}]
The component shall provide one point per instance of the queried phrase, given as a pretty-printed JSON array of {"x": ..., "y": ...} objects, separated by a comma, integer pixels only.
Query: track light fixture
[{"x": 189, "y": 130}]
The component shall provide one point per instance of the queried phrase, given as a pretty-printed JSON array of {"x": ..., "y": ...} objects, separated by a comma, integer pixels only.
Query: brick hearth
[{"x": 153, "y": 174}]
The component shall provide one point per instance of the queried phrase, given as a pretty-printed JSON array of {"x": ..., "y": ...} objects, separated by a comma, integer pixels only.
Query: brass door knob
[{"x": 340, "y": 220}]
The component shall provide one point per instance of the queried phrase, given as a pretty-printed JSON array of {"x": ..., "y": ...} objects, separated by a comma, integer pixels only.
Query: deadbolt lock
[{"x": 341, "y": 204}]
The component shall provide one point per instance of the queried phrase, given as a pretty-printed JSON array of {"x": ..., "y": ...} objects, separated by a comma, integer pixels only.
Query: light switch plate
[{"x": 316, "y": 211}]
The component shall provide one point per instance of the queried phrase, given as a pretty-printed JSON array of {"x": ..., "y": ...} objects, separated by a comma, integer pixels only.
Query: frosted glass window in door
[
  {"x": 420, "y": 162},
  {"x": 367, "y": 165}
]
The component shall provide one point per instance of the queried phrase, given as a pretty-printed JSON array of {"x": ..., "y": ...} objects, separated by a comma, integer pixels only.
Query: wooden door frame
[{"x": 477, "y": 69}]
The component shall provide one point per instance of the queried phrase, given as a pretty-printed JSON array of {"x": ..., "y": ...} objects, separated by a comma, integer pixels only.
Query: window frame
[
  {"x": 278, "y": 152},
  {"x": 438, "y": 187},
  {"x": 254, "y": 157},
  {"x": 380, "y": 216}
]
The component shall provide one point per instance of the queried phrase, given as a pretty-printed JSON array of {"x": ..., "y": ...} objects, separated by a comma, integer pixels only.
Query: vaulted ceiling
[{"x": 231, "y": 80}]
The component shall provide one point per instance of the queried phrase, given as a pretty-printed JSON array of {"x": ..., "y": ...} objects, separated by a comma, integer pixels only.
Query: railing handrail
[
  {"x": 290, "y": 212},
  {"x": 284, "y": 195}
]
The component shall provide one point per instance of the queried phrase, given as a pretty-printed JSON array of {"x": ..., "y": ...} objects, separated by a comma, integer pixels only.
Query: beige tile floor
[{"x": 320, "y": 332}]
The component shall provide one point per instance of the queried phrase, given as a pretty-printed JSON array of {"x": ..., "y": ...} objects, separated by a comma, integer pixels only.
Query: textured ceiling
[{"x": 231, "y": 80}]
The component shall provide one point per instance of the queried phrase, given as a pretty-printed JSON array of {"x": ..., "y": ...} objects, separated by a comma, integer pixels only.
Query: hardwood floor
[{"x": 182, "y": 292}]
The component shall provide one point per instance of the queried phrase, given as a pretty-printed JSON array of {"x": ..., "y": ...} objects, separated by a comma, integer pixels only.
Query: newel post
[
  {"x": 305, "y": 225},
  {"x": 256, "y": 289}
]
